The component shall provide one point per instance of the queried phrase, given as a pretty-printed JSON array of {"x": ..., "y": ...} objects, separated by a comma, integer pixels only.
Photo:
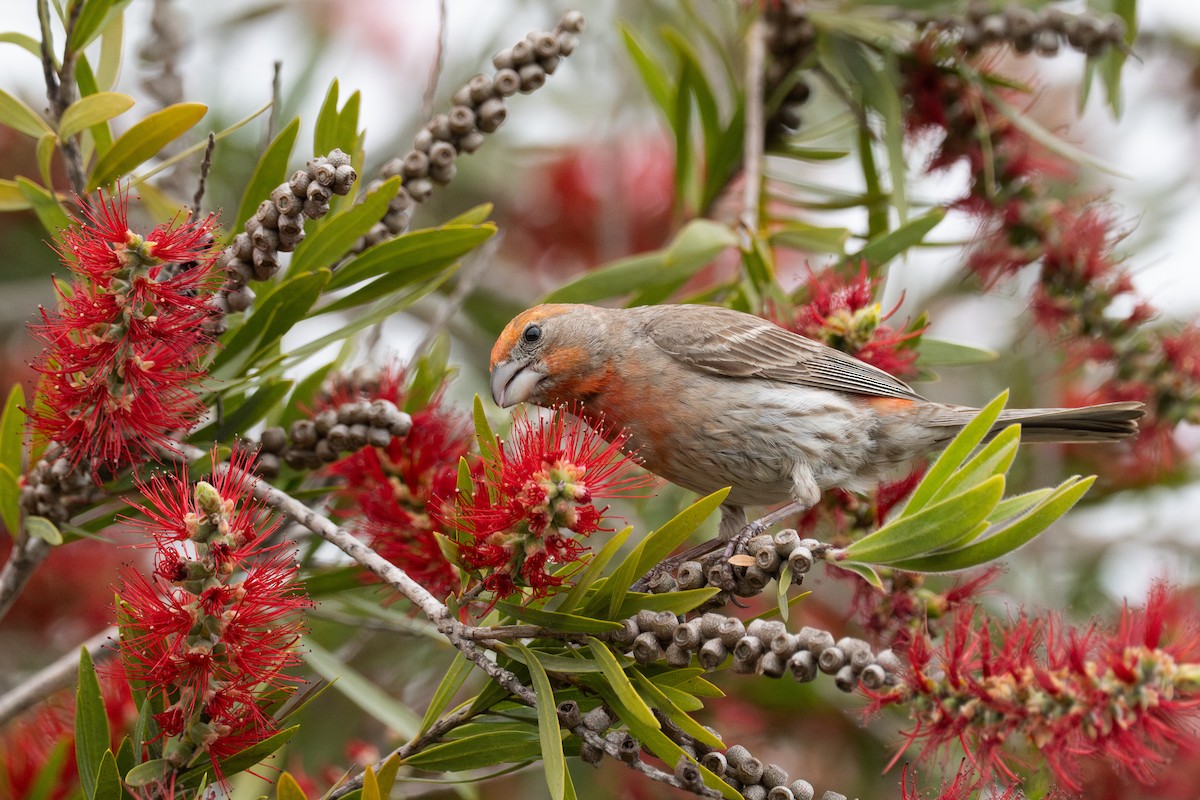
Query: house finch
[{"x": 711, "y": 398}]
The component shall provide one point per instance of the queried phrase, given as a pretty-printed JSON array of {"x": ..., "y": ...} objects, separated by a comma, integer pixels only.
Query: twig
[
  {"x": 438, "y": 64},
  {"x": 58, "y": 675},
  {"x": 752, "y": 148},
  {"x": 24, "y": 559},
  {"x": 205, "y": 166},
  {"x": 439, "y": 615},
  {"x": 276, "y": 101}
]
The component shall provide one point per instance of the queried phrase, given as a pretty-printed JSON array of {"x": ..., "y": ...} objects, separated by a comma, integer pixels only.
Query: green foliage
[{"x": 144, "y": 140}]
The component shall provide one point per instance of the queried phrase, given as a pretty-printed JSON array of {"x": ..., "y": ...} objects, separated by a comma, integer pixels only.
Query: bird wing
[{"x": 740, "y": 345}]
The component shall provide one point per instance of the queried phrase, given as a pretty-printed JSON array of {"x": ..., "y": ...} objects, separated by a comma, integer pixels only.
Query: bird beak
[{"x": 513, "y": 382}]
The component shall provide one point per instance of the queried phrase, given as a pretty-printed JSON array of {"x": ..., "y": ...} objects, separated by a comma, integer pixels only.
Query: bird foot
[{"x": 737, "y": 543}]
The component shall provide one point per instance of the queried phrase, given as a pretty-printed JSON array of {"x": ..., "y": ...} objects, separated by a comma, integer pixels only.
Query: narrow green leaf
[
  {"x": 92, "y": 110},
  {"x": 562, "y": 665},
  {"x": 549, "y": 734},
  {"x": 412, "y": 250},
  {"x": 44, "y": 529},
  {"x": 571, "y": 623},
  {"x": 782, "y": 584},
  {"x": 994, "y": 458},
  {"x": 456, "y": 675},
  {"x": 108, "y": 779},
  {"x": 11, "y": 198},
  {"x": 930, "y": 529},
  {"x": 472, "y": 216},
  {"x": 93, "y": 19},
  {"x": 620, "y": 684},
  {"x": 347, "y": 128},
  {"x": 810, "y": 238},
  {"x": 286, "y": 788},
  {"x": 864, "y": 571},
  {"x": 265, "y": 399},
  {"x": 667, "y": 706},
  {"x": 145, "y": 729},
  {"x": 126, "y": 760},
  {"x": 679, "y": 602},
  {"x": 325, "y": 130},
  {"x": 1008, "y": 538},
  {"x": 238, "y": 762},
  {"x": 45, "y": 205},
  {"x": 276, "y": 314},
  {"x": 24, "y": 41},
  {"x": 653, "y": 74},
  {"x": 269, "y": 172},
  {"x": 884, "y": 248},
  {"x": 481, "y": 750},
  {"x": 483, "y": 428},
  {"x": 933, "y": 352},
  {"x": 370, "y": 787},
  {"x": 91, "y": 725},
  {"x": 592, "y": 572},
  {"x": 148, "y": 773},
  {"x": 10, "y": 502},
  {"x": 20, "y": 117},
  {"x": 50, "y": 772},
  {"x": 108, "y": 67},
  {"x": 360, "y": 691},
  {"x": 1018, "y": 504},
  {"x": 334, "y": 239},
  {"x": 144, "y": 140},
  {"x": 387, "y": 775},
  {"x": 47, "y": 146},
  {"x": 968, "y": 438}
]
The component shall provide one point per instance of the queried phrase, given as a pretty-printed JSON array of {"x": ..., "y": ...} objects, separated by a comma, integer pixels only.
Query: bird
[{"x": 708, "y": 397}]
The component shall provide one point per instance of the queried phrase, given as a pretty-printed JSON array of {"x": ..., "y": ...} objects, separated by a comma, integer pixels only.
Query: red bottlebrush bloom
[
  {"x": 388, "y": 490},
  {"x": 217, "y": 624},
  {"x": 1126, "y": 696},
  {"x": 121, "y": 354},
  {"x": 842, "y": 313},
  {"x": 534, "y": 499}
]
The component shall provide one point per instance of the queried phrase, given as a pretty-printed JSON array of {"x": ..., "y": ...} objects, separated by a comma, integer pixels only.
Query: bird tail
[{"x": 1099, "y": 423}]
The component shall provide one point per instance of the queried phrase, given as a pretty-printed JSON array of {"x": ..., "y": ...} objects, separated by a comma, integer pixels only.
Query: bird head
[{"x": 541, "y": 354}]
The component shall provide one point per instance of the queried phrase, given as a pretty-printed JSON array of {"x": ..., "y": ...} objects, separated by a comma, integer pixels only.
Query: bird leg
[{"x": 758, "y": 527}]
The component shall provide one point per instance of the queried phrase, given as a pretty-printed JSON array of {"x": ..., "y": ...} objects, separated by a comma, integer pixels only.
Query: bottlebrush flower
[
  {"x": 842, "y": 313},
  {"x": 1126, "y": 696},
  {"x": 214, "y": 628},
  {"x": 121, "y": 354},
  {"x": 534, "y": 501},
  {"x": 388, "y": 491}
]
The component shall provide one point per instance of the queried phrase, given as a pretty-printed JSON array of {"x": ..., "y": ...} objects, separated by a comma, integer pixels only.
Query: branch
[
  {"x": 25, "y": 558},
  {"x": 58, "y": 675},
  {"x": 752, "y": 152}
]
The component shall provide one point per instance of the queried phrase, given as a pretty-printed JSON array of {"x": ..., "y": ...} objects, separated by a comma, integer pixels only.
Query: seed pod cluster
[
  {"x": 56, "y": 488},
  {"x": 763, "y": 647},
  {"x": 1044, "y": 31},
  {"x": 754, "y": 779},
  {"x": 278, "y": 227},
  {"x": 791, "y": 39},
  {"x": 772, "y": 554},
  {"x": 478, "y": 109},
  {"x": 311, "y": 443}
]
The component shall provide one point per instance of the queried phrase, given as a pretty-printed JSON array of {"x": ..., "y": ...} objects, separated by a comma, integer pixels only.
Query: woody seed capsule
[
  {"x": 714, "y": 762},
  {"x": 780, "y": 793},
  {"x": 802, "y": 790},
  {"x": 507, "y": 82},
  {"x": 712, "y": 654},
  {"x": 646, "y": 649}
]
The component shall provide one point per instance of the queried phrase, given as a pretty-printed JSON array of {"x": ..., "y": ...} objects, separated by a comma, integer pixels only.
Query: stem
[
  {"x": 754, "y": 143},
  {"x": 25, "y": 558},
  {"x": 53, "y": 677}
]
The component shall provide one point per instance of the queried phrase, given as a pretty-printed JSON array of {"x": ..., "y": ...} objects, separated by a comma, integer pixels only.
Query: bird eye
[{"x": 532, "y": 333}]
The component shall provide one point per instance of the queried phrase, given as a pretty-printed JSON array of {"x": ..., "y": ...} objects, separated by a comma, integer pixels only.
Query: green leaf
[
  {"x": 108, "y": 779},
  {"x": 44, "y": 529},
  {"x": 11, "y": 198},
  {"x": 370, "y": 787},
  {"x": 20, "y": 117},
  {"x": 148, "y": 773},
  {"x": 95, "y": 16},
  {"x": 653, "y": 74},
  {"x": 287, "y": 303},
  {"x": 782, "y": 584},
  {"x": 238, "y": 762},
  {"x": 411, "y": 251},
  {"x": 1008, "y": 538},
  {"x": 959, "y": 448},
  {"x": 50, "y": 772},
  {"x": 431, "y": 374},
  {"x": 91, "y": 725},
  {"x": 262, "y": 401},
  {"x": 679, "y": 602},
  {"x": 549, "y": 734},
  {"x": 47, "y": 145},
  {"x": 695, "y": 246},
  {"x": 10, "y": 502},
  {"x": 933, "y": 352},
  {"x": 887, "y": 246},
  {"x": 562, "y": 665},
  {"x": 126, "y": 760},
  {"x": 325, "y": 132},
  {"x": 269, "y": 172},
  {"x": 335, "y": 238},
  {"x": 810, "y": 238},
  {"x": 570, "y": 623},
  {"x": 994, "y": 458},
  {"x": 931, "y": 528},
  {"x": 144, "y": 140},
  {"x": 667, "y": 706},
  {"x": 593, "y": 571},
  {"x": 145, "y": 729},
  {"x": 286, "y": 788},
  {"x": 45, "y": 205},
  {"x": 23, "y": 41},
  {"x": 472, "y": 216},
  {"x": 108, "y": 66},
  {"x": 651, "y": 550},
  {"x": 1018, "y": 504},
  {"x": 387, "y": 775},
  {"x": 92, "y": 110},
  {"x": 483, "y": 428},
  {"x": 619, "y": 683},
  {"x": 360, "y": 691},
  {"x": 347, "y": 129},
  {"x": 456, "y": 675},
  {"x": 480, "y": 750}
]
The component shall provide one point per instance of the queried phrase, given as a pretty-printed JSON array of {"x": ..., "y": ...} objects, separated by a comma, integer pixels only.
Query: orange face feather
[{"x": 512, "y": 332}]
